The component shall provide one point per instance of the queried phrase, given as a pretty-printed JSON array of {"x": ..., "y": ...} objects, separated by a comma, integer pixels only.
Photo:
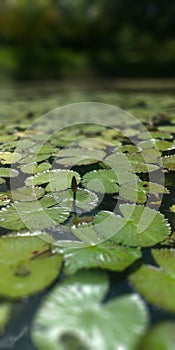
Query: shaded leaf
[
  {"x": 157, "y": 284},
  {"x": 20, "y": 273},
  {"x": 160, "y": 337},
  {"x": 5, "y": 311}
]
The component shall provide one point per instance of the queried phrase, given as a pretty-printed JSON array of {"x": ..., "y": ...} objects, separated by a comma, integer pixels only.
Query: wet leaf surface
[{"x": 74, "y": 311}]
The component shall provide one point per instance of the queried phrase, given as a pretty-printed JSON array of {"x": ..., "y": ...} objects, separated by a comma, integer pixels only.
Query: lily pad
[
  {"x": 169, "y": 162},
  {"x": 160, "y": 337},
  {"x": 34, "y": 215},
  {"x": 157, "y": 284},
  {"x": 27, "y": 194},
  {"x": 133, "y": 191},
  {"x": 33, "y": 168},
  {"x": 106, "y": 256},
  {"x": 73, "y": 313},
  {"x": 101, "y": 181},
  {"x": 58, "y": 179},
  {"x": 79, "y": 156},
  {"x": 5, "y": 311},
  {"x": 139, "y": 226},
  {"x": 9, "y": 157},
  {"x": 133, "y": 163},
  {"x": 8, "y": 172},
  {"x": 23, "y": 271}
]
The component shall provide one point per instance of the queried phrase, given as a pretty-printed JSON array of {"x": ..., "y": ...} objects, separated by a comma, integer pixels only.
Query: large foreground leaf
[
  {"x": 72, "y": 315},
  {"x": 157, "y": 284},
  {"x": 23, "y": 270}
]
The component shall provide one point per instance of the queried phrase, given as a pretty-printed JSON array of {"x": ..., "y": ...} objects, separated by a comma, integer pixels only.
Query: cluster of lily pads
[{"x": 46, "y": 232}]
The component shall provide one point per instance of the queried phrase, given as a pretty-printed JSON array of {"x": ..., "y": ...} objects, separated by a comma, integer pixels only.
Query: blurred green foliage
[{"x": 55, "y": 38}]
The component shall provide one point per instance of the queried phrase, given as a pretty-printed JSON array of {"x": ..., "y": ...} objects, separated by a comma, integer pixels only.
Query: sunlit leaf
[
  {"x": 58, "y": 179},
  {"x": 139, "y": 226},
  {"x": 27, "y": 194},
  {"x": 106, "y": 256},
  {"x": 73, "y": 314},
  {"x": 9, "y": 157}
]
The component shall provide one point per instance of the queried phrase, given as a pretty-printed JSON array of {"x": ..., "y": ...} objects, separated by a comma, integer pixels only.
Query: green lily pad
[
  {"x": 8, "y": 172},
  {"x": 101, "y": 181},
  {"x": 58, "y": 180},
  {"x": 27, "y": 194},
  {"x": 33, "y": 168},
  {"x": 5, "y": 311},
  {"x": 169, "y": 162},
  {"x": 9, "y": 157},
  {"x": 133, "y": 191},
  {"x": 22, "y": 272},
  {"x": 133, "y": 163},
  {"x": 79, "y": 156},
  {"x": 139, "y": 226},
  {"x": 106, "y": 256},
  {"x": 73, "y": 314},
  {"x": 161, "y": 145},
  {"x": 34, "y": 215},
  {"x": 154, "y": 188},
  {"x": 160, "y": 337},
  {"x": 154, "y": 135},
  {"x": 157, "y": 284}
]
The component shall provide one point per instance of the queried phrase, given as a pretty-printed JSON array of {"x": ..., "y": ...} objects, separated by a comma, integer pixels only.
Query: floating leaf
[
  {"x": 154, "y": 135},
  {"x": 133, "y": 191},
  {"x": 161, "y": 336},
  {"x": 9, "y": 157},
  {"x": 133, "y": 163},
  {"x": 22, "y": 272},
  {"x": 139, "y": 226},
  {"x": 79, "y": 156},
  {"x": 101, "y": 181},
  {"x": 161, "y": 145},
  {"x": 27, "y": 194},
  {"x": 157, "y": 284},
  {"x": 169, "y": 162},
  {"x": 72, "y": 314},
  {"x": 33, "y": 215},
  {"x": 154, "y": 188},
  {"x": 5, "y": 311},
  {"x": 33, "y": 168},
  {"x": 106, "y": 256},
  {"x": 58, "y": 179},
  {"x": 8, "y": 172}
]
